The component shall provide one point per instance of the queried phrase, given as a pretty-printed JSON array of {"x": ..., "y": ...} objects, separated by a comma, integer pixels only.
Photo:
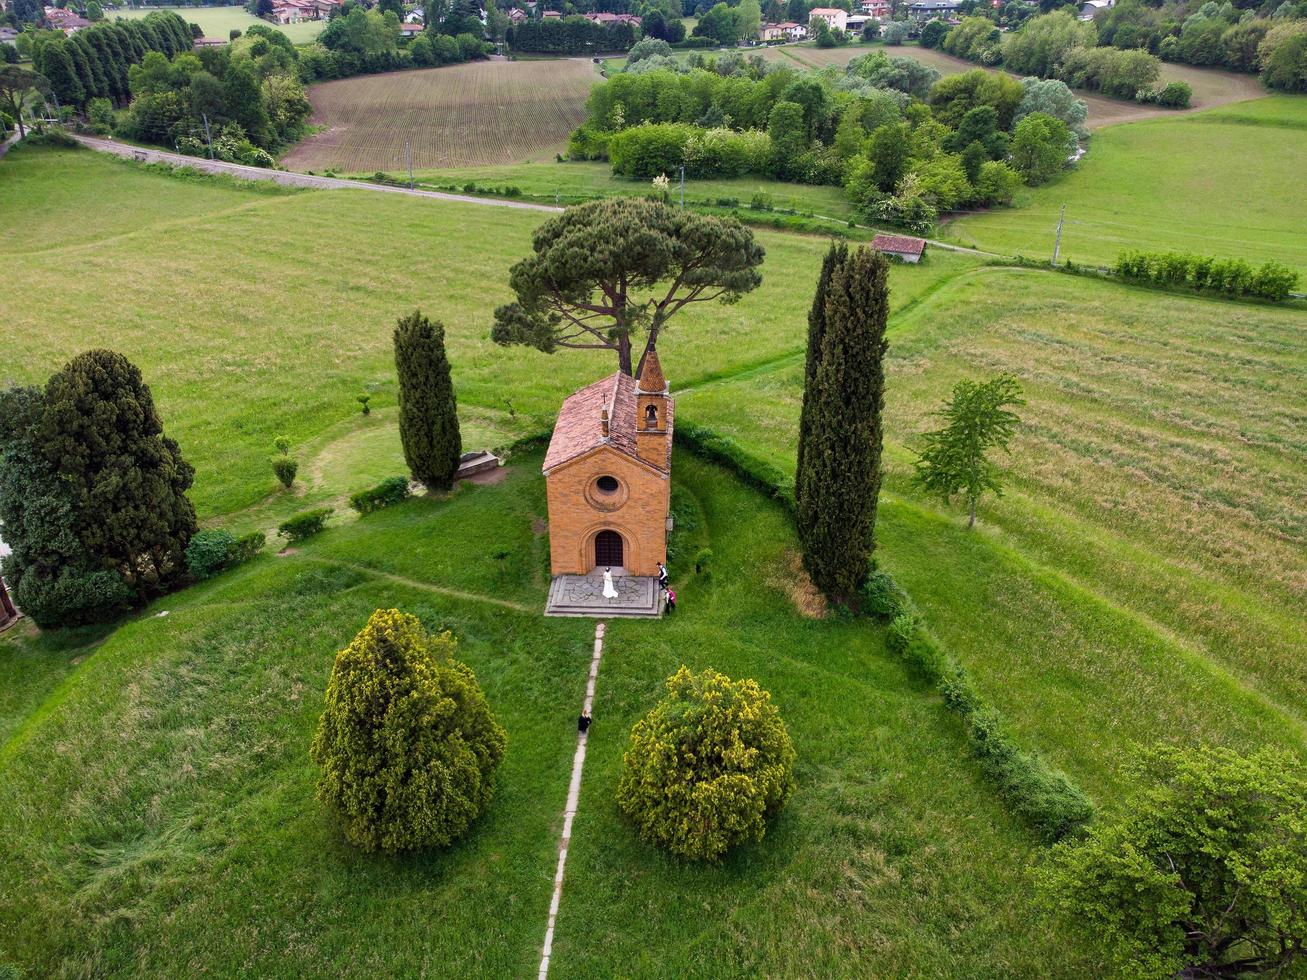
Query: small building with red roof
[{"x": 902, "y": 247}]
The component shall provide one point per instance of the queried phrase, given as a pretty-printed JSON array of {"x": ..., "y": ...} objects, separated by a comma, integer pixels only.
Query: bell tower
[{"x": 653, "y": 407}]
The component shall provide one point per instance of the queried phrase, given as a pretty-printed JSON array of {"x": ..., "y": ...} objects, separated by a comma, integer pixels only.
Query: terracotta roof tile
[
  {"x": 898, "y": 243},
  {"x": 579, "y": 428}
]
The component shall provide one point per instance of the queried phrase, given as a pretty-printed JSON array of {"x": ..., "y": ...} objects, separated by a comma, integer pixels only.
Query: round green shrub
[
  {"x": 285, "y": 468},
  {"x": 407, "y": 744},
  {"x": 208, "y": 552},
  {"x": 708, "y": 767}
]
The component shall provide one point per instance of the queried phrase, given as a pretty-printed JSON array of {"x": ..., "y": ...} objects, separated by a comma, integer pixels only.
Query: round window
[{"x": 606, "y": 484}]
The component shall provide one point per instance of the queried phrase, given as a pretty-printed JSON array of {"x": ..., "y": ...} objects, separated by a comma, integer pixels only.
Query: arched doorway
[{"x": 608, "y": 549}]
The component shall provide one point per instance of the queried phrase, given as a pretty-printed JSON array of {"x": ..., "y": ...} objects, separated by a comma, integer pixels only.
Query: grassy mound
[{"x": 157, "y": 808}]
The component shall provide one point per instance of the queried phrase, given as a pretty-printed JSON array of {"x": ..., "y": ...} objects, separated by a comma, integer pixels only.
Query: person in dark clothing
[
  {"x": 671, "y": 599},
  {"x": 662, "y": 576},
  {"x": 583, "y": 723}
]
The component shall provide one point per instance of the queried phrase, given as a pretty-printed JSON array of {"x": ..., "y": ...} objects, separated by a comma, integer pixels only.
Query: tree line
[
  {"x": 571, "y": 35},
  {"x": 904, "y": 143}
]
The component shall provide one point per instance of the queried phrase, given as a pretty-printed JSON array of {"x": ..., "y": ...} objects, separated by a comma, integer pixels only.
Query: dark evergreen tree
[
  {"x": 428, "y": 412},
  {"x": 836, "y": 255},
  {"x": 127, "y": 480},
  {"x": 52, "y": 60},
  {"x": 841, "y": 455},
  {"x": 96, "y": 85},
  {"x": 52, "y": 577}
]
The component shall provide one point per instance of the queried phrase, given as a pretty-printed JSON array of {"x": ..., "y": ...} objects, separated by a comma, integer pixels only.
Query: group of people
[
  {"x": 664, "y": 585},
  {"x": 669, "y": 597}
]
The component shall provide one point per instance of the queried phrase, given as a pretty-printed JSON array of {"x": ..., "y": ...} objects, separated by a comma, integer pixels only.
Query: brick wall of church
[{"x": 578, "y": 512}]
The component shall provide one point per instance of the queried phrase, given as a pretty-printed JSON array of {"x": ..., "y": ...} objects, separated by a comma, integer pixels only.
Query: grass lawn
[
  {"x": 157, "y": 814},
  {"x": 1145, "y": 572},
  {"x": 239, "y": 346},
  {"x": 1211, "y": 183},
  {"x": 221, "y": 21},
  {"x": 579, "y": 181},
  {"x": 1142, "y": 580}
]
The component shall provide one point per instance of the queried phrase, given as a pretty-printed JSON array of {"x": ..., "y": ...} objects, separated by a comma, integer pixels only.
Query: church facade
[{"x": 608, "y": 475}]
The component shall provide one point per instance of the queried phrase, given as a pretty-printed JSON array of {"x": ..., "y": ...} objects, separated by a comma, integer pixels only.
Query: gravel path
[
  {"x": 573, "y": 801},
  {"x": 287, "y": 177}
]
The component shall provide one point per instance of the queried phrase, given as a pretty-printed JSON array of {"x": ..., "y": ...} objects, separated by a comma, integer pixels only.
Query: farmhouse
[
  {"x": 608, "y": 476},
  {"x": 833, "y": 16},
  {"x": 901, "y": 247},
  {"x": 208, "y": 42}
]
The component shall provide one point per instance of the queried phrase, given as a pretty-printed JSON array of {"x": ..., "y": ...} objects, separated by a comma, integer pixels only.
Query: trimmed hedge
[
  {"x": 212, "y": 550},
  {"x": 757, "y": 473},
  {"x": 1233, "y": 277},
  {"x": 1044, "y": 798},
  {"x": 208, "y": 552},
  {"x": 392, "y": 490},
  {"x": 304, "y": 525}
]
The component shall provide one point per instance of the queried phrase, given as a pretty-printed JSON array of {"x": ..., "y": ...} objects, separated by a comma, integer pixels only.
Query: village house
[
  {"x": 879, "y": 9},
  {"x": 608, "y": 475},
  {"x": 551, "y": 15},
  {"x": 834, "y": 17},
  {"x": 785, "y": 31},
  {"x": 411, "y": 30},
  {"x": 295, "y": 11},
  {"x": 517, "y": 16},
  {"x": 901, "y": 247},
  {"x": 64, "y": 20},
  {"x": 208, "y": 42},
  {"x": 604, "y": 18},
  {"x": 1091, "y": 7},
  {"x": 925, "y": 10}
]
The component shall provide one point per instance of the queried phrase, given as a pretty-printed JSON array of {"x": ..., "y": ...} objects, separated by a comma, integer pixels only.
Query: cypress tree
[
  {"x": 53, "y": 61},
  {"x": 837, "y": 254},
  {"x": 428, "y": 413},
  {"x": 95, "y": 83},
  {"x": 837, "y": 513},
  {"x": 128, "y": 481}
]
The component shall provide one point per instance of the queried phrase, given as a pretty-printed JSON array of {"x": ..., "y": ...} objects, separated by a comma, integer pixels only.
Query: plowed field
[{"x": 485, "y": 112}]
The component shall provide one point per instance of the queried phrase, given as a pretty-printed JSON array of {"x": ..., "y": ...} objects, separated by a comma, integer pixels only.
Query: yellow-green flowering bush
[
  {"x": 407, "y": 744},
  {"x": 708, "y": 767}
]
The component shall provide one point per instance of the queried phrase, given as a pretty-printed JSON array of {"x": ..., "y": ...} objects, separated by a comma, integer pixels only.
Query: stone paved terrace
[{"x": 583, "y": 595}]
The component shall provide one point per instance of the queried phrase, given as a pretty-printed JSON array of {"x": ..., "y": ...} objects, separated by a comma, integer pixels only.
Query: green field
[
  {"x": 579, "y": 181},
  {"x": 1212, "y": 183},
  {"x": 229, "y": 866},
  {"x": 1142, "y": 580},
  {"x": 221, "y": 21}
]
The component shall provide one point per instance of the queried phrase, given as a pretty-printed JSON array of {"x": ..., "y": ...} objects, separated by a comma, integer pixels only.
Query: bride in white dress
[{"x": 610, "y": 590}]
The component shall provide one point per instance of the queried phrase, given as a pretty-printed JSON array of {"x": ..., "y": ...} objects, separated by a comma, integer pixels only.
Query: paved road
[{"x": 289, "y": 178}]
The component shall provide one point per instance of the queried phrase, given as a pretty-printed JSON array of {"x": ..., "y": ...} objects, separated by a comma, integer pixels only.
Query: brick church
[{"x": 608, "y": 475}]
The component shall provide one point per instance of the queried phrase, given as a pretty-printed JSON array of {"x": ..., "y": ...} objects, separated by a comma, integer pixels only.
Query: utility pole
[
  {"x": 1057, "y": 242},
  {"x": 408, "y": 158},
  {"x": 208, "y": 137},
  {"x": 682, "y": 187}
]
